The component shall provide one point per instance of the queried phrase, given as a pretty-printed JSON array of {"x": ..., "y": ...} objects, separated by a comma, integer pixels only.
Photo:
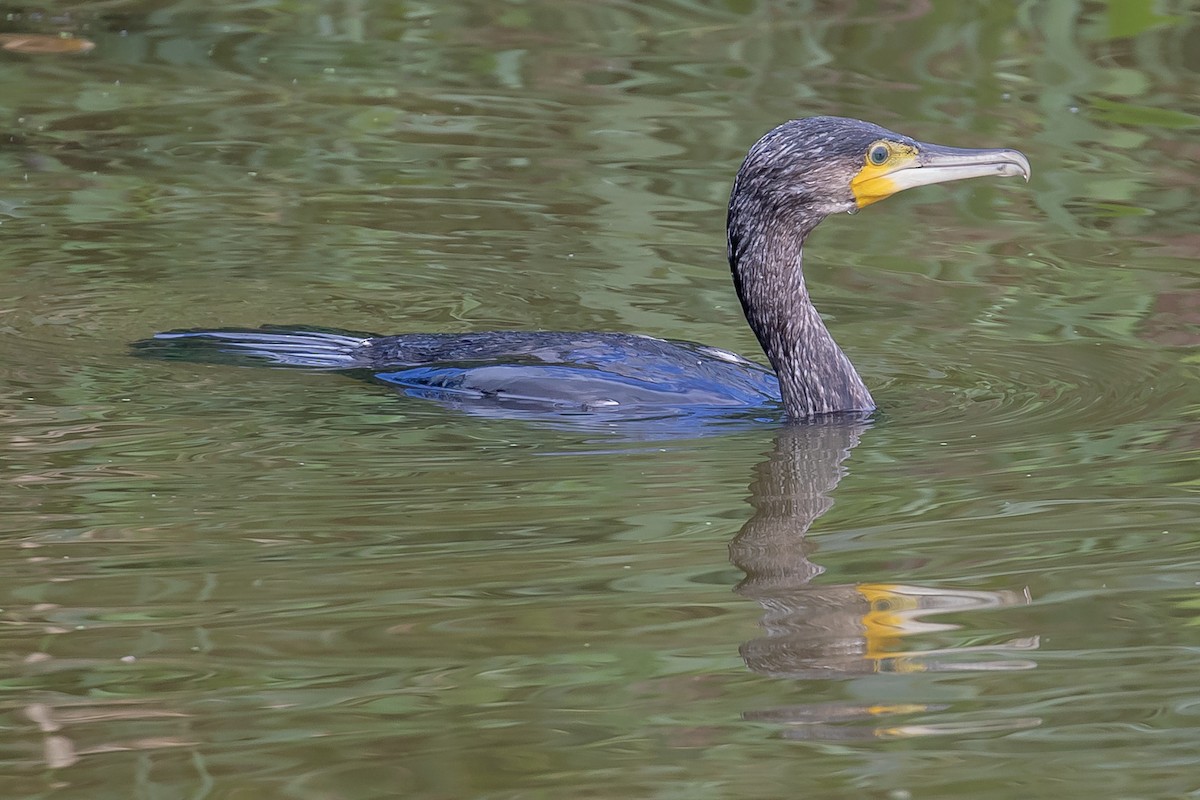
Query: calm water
[{"x": 236, "y": 583}]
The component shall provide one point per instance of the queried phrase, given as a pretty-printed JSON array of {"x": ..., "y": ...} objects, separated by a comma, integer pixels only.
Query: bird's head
[{"x": 806, "y": 169}]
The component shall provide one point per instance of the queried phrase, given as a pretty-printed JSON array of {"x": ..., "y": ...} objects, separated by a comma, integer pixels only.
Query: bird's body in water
[{"x": 793, "y": 177}]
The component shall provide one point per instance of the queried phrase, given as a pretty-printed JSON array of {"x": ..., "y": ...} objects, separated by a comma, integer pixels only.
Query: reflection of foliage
[
  {"x": 564, "y": 165},
  {"x": 439, "y": 595}
]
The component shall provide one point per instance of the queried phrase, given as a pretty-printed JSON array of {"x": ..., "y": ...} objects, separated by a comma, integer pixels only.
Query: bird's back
[{"x": 563, "y": 371}]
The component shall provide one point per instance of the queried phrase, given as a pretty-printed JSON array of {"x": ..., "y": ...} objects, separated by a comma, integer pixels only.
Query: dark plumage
[{"x": 793, "y": 177}]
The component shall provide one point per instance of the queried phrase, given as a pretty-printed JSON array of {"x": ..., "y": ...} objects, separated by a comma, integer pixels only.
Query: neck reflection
[{"x": 818, "y": 629}]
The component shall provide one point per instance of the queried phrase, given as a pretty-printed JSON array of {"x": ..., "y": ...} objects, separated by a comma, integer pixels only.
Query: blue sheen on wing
[{"x": 589, "y": 379}]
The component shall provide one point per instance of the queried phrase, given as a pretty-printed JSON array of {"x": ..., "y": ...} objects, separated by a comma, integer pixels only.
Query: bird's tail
[{"x": 274, "y": 346}]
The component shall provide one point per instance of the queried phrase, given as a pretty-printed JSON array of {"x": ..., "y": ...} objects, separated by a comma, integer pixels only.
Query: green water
[{"x": 236, "y": 583}]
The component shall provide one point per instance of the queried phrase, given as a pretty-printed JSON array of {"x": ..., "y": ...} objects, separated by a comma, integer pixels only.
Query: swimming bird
[{"x": 795, "y": 176}]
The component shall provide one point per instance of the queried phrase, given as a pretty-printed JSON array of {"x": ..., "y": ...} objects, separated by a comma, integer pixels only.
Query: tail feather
[{"x": 284, "y": 347}]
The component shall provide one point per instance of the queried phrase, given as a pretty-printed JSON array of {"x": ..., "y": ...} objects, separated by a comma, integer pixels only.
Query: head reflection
[{"x": 814, "y": 629}]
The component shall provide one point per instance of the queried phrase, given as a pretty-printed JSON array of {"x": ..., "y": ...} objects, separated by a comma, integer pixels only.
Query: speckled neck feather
[
  {"x": 815, "y": 376},
  {"x": 765, "y": 254}
]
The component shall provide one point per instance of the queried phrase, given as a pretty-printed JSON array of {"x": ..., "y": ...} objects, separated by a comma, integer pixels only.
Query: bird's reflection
[{"x": 814, "y": 629}]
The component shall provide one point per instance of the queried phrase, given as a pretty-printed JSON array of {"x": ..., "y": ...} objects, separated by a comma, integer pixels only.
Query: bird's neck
[{"x": 815, "y": 377}]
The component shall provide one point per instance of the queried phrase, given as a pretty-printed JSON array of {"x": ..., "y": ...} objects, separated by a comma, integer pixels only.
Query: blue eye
[{"x": 879, "y": 154}]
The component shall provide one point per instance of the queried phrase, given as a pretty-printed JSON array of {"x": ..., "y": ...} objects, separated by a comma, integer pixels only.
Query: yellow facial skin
[{"x": 872, "y": 183}]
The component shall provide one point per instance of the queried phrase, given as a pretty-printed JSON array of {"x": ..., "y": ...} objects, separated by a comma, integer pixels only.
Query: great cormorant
[{"x": 793, "y": 177}]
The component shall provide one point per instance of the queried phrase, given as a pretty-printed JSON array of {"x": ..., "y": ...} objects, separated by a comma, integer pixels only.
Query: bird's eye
[{"x": 879, "y": 154}]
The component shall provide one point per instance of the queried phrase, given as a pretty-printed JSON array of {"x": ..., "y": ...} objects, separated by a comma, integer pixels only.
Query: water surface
[{"x": 226, "y": 583}]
